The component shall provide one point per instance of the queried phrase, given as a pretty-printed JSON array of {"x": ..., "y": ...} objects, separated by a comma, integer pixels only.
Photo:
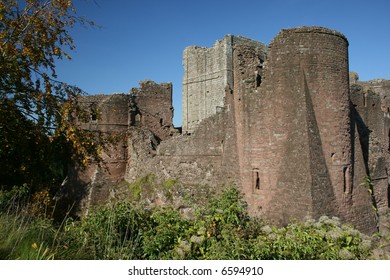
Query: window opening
[
  {"x": 256, "y": 180},
  {"x": 365, "y": 100},
  {"x": 258, "y": 79},
  {"x": 347, "y": 180},
  {"x": 388, "y": 135},
  {"x": 94, "y": 114}
]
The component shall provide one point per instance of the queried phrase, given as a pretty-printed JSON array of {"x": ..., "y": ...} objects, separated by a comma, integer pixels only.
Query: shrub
[
  {"x": 113, "y": 232},
  {"x": 167, "y": 227},
  {"x": 13, "y": 198},
  {"x": 322, "y": 239},
  {"x": 221, "y": 229}
]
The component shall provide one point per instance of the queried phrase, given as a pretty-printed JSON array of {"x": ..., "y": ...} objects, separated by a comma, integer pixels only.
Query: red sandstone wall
[
  {"x": 285, "y": 134},
  {"x": 153, "y": 108},
  {"x": 372, "y": 134},
  {"x": 297, "y": 154},
  {"x": 109, "y": 114},
  {"x": 113, "y": 114}
]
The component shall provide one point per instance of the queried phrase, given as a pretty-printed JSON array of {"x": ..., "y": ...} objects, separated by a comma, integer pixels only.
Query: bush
[
  {"x": 221, "y": 229},
  {"x": 106, "y": 233},
  {"x": 13, "y": 198},
  {"x": 167, "y": 227},
  {"x": 322, "y": 239}
]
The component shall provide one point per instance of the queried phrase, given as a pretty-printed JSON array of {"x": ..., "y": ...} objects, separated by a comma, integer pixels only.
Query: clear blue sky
[{"x": 145, "y": 39}]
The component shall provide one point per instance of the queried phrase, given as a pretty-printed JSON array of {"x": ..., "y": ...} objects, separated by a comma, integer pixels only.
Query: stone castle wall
[
  {"x": 151, "y": 107},
  {"x": 207, "y": 71},
  {"x": 297, "y": 130},
  {"x": 371, "y": 115},
  {"x": 280, "y": 122}
]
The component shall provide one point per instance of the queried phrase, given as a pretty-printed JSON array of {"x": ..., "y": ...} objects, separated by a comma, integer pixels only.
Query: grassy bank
[{"x": 219, "y": 230}]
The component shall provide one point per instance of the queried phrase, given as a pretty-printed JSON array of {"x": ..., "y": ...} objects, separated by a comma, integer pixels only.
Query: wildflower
[
  {"x": 366, "y": 244},
  {"x": 309, "y": 222},
  {"x": 334, "y": 234},
  {"x": 272, "y": 236},
  {"x": 197, "y": 239},
  {"x": 34, "y": 246},
  {"x": 353, "y": 232},
  {"x": 318, "y": 225},
  {"x": 323, "y": 219},
  {"x": 344, "y": 254},
  {"x": 332, "y": 222},
  {"x": 185, "y": 246},
  {"x": 320, "y": 232},
  {"x": 266, "y": 229}
]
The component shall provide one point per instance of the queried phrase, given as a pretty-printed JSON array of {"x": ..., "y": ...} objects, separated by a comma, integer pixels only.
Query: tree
[{"x": 37, "y": 111}]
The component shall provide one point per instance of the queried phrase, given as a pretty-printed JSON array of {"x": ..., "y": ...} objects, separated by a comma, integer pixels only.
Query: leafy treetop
[{"x": 34, "y": 35}]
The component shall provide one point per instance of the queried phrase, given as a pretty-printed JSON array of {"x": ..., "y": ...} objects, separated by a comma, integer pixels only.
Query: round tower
[
  {"x": 301, "y": 143},
  {"x": 320, "y": 56}
]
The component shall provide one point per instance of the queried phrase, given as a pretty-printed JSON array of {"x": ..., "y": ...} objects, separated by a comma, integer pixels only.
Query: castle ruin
[
  {"x": 207, "y": 71},
  {"x": 283, "y": 122}
]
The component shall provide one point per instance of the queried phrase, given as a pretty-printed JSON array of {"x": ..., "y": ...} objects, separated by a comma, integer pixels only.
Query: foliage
[
  {"x": 20, "y": 233},
  {"x": 369, "y": 185},
  {"x": 107, "y": 233},
  {"x": 13, "y": 197},
  {"x": 138, "y": 187},
  {"x": 41, "y": 204},
  {"x": 33, "y": 35},
  {"x": 165, "y": 230},
  {"x": 38, "y": 113},
  {"x": 26, "y": 154},
  {"x": 221, "y": 229},
  {"x": 322, "y": 239}
]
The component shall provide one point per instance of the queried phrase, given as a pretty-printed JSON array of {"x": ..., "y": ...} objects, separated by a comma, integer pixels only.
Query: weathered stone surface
[
  {"x": 151, "y": 107},
  {"x": 207, "y": 71},
  {"x": 280, "y": 122},
  {"x": 371, "y": 114},
  {"x": 148, "y": 107}
]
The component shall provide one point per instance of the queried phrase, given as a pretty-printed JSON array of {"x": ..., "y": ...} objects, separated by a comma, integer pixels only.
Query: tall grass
[
  {"x": 25, "y": 237},
  {"x": 221, "y": 229}
]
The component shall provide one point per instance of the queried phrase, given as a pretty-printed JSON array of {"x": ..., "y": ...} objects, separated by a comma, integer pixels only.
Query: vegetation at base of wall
[
  {"x": 142, "y": 185},
  {"x": 369, "y": 185},
  {"x": 149, "y": 191},
  {"x": 221, "y": 229}
]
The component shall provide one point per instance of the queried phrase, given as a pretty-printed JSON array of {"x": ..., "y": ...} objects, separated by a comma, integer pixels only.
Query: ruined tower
[
  {"x": 296, "y": 130},
  {"x": 207, "y": 71},
  {"x": 150, "y": 106},
  {"x": 147, "y": 107}
]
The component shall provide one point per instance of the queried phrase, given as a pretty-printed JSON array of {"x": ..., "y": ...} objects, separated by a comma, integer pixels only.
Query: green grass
[
  {"x": 24, "y": 237},
  {"x": 221, "y": 229}
]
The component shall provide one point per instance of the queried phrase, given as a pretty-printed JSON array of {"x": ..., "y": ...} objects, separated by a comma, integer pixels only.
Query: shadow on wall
[
  {"x": 74, "y": 190},
  {"x": 364, "y": 137}
]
